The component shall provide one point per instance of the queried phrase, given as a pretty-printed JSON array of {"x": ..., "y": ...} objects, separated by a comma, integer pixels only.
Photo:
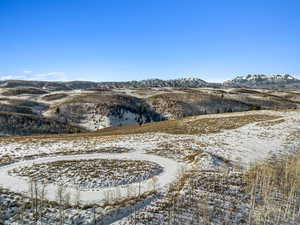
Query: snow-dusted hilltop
[
  {"x": 182, "y": 82},
  {"x": 263, "y": 81}
]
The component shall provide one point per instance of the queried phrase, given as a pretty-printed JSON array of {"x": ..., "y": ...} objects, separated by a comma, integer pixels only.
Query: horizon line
[{"x": 181, "y": 78}]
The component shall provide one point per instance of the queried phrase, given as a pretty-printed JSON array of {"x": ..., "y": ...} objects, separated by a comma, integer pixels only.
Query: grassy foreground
[{"x": 274, "y": 187}]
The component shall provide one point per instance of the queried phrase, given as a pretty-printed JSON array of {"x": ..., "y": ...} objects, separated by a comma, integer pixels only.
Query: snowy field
[
  {"x": 90, "y": 174},
  {"x": 178, "y": 160},
  {"x": 21, "y": 185}
]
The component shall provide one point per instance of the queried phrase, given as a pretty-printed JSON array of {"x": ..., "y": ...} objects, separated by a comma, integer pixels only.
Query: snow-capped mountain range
[
  {"x": 264, "y": 81},
  {"x": 177, "y": 83},
  {"x": 248, "y": 81}
]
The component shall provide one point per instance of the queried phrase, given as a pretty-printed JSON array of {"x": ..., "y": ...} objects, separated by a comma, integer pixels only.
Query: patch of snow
[{"x": 21, "y": 184}]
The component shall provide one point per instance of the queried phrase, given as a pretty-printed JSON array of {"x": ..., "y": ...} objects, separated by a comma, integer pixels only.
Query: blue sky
[{"x": 139, "y": 39}]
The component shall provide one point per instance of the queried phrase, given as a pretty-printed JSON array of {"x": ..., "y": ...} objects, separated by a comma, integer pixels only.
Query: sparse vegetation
[
  {"x": 91, "y": 174},
  {"x": 190, "y": 102},
  {"x": 53, "y": 97},
  {"x": 208, "y": 152},
  {"x": 188, "y": 125},
  {"x": 24, "y": 124},
  {"x": 271, "y": 123},
  {"x": 16, "y": 109},
  {"x": 21, "y": 91},
  {"x": 274, "y": 188},
  {"x": 106, "y": 106}
]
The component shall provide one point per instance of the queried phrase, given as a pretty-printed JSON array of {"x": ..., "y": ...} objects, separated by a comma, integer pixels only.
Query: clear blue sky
[{"x": 114, "y": 40}]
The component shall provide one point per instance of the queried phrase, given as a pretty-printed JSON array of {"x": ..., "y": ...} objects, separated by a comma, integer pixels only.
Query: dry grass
[
  {"x": 53, "y": 97},
  {"x": 49, "y": 138},
  {"x": 20, "y": 91},
  {"x": 9, "y": 159},
  {"x": 188, "y": 126},
  {"x": 271, "y": 123},
  {"x": 92, "y": 173},
  {"x": 192, "y": 157},
  {"x": 101, "y": 98},
  {"x": 274, "y": 188},
  {"x": 129, "y": 200}
]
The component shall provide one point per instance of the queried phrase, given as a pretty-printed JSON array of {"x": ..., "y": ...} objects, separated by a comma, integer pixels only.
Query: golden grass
[
  {"x": 192, "y": 157},
  {"x": 128, "y": 201},
  {"x": 271, "y": 123},
  {"x": 188, "y": 126},
  {"x": 48, "y": 138},
  {"x": 274, "y": 188}
]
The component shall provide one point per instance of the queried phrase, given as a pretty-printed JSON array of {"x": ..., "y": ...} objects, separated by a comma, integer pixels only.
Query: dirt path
[{"x": 21, "y": 184}]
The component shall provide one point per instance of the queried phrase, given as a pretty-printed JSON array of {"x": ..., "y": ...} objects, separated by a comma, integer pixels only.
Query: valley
[
  {"x": 38, "y": 109},
  {"x": 152, "y": 155}
]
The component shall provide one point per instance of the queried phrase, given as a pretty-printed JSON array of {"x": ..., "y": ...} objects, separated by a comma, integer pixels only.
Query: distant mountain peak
[
  {"x": 189, "y": 82},
  {"x": 189, "y": 79},
  {"x": 247, "y": 81},
  {"x": 262, "y": 81}
]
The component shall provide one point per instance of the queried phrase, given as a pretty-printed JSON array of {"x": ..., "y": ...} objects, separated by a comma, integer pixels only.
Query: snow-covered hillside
[{"x": 202, "y": 167}]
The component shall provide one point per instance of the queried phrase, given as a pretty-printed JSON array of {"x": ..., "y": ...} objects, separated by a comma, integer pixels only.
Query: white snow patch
[{"x": 21, "y": 184}]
